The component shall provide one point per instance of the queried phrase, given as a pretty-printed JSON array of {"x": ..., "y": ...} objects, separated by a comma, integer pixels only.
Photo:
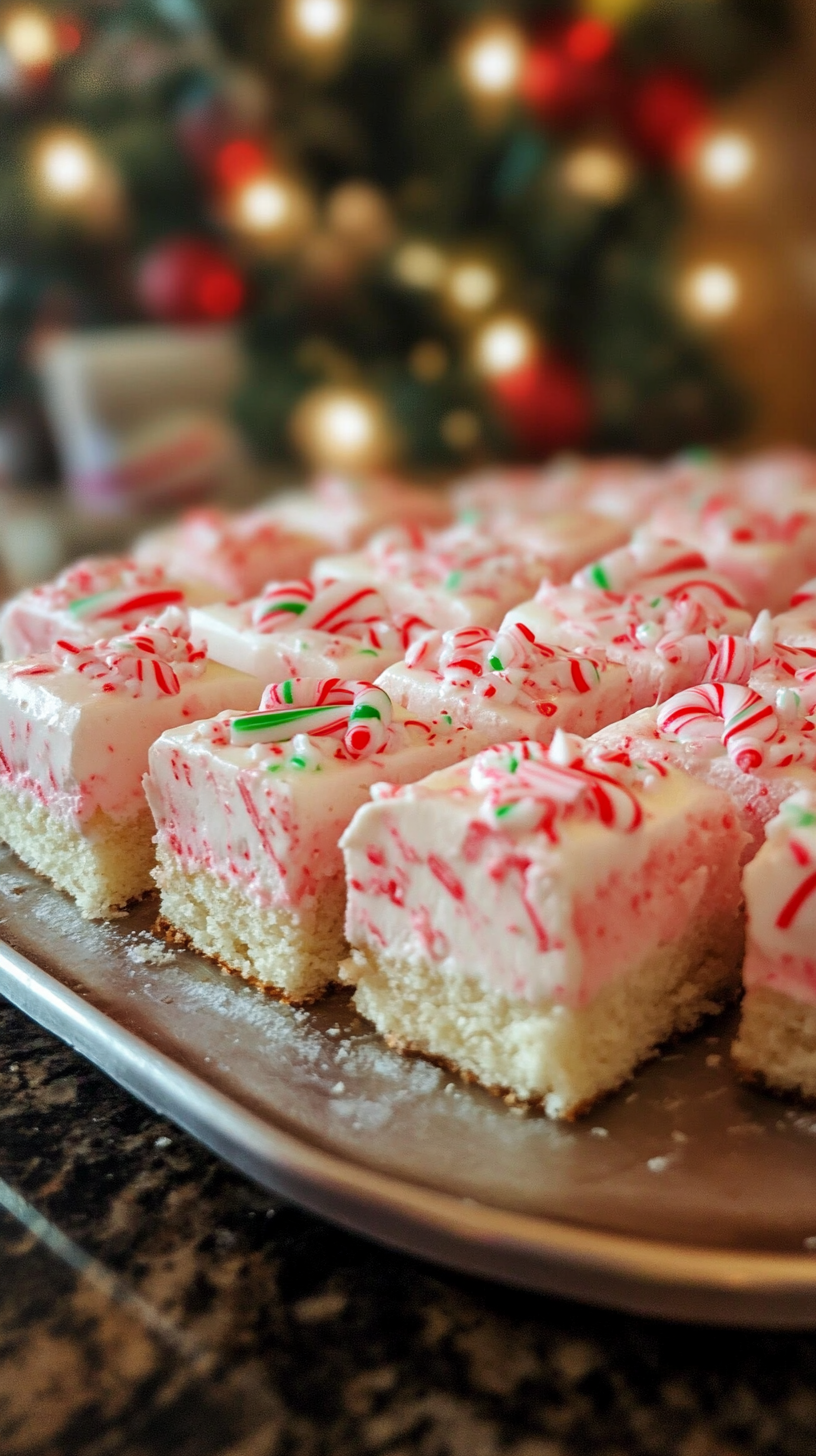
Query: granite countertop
[{"x": 154, "y": 1303}]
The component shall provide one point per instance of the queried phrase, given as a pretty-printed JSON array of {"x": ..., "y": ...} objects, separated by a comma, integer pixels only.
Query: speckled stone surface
[{"x": 154, "y": 1303}]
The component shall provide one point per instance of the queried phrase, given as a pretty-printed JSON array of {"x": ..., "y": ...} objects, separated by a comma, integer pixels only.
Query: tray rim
[{"x": 551, "y": 1256}]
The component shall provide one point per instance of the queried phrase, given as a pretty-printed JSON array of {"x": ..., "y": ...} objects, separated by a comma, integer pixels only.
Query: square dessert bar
[
  {"x": 504, "y": 685},
  {"x": 249, "y": 810},
  {"x": 455, "y": 578},
  {"x": 343, "y": 510},
  {"x": 664, "y": 628},
  {"x": 561, "y": 542},
  {"x": 797, "y": 624},
  {"x": 762, "y": 551},
  {"x": 296, "y": 629},
  {"x": 229, "y": 557},
  {"x": 756, "y": 746},
  {"x": 542, "y": 919},
  {"x": 101, "y": 596},
  {"x": 776, "y": 1044},
  {"x": 75, "y": 728}
]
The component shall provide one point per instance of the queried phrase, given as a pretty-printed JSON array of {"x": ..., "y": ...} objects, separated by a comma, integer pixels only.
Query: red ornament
[
  {"x": 667, "y": 111},
  {"x": 238, "y": 161},
  {"x": 545, "y": 404},
  {"x": 185, "y": 280},
  {"x": 570, "y": 73}
]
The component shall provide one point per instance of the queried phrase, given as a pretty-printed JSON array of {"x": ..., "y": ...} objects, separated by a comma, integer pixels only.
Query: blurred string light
[
  {"x": 428, "y": 360},
  {"x": 711, "y": 291},
  {"x": 491, "y": 59},
  {"x": 30, "y": 37},
  {"x": 67, "y": 167},
  {"x": 461, "y": 429},
  {"x": 616, "y": 12},
  {"x": 318, "y": 25},
  {"x": 419, "y": 264},
  {"x": 598, "y": 173},
  {"x": 270, "y": 210},
  {"x": 472, "y": 285},
  {"x": 505, "y": 344},
  {"x": 725, "y": 160},
  {"x": 342, "y": 427}
]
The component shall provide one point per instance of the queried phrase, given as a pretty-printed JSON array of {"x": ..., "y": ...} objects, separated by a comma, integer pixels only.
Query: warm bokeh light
[
  {"x": 342, "y": 427},
  {"x": 504, "y": 344},
  {"x": 616, "y": 12},
  {"x": 318, "y": 24},
  {"x": 598, "y": 173},
  {"x": 30, "y": 37},
  {"x": 66, "y": 166},
  {"x": 725, "y": 160},
  {"x": 712, "y": 290},
  {"x": 460, "y": 429},
  {"x": 491, "y": 60},
  {"x": 472, "y": 285},
  {"x": 263, "y": 205},
  {"x": 419, "y": 264},
  {"x": 271, "y": 211},
  {"x": 360, "y": 214},
  {"x": 428, "y": 360}
]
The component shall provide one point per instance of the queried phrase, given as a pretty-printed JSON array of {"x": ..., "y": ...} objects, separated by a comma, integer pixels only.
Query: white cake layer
[
  {"x": 230, "y": 638},
  {"x": 268, "y": 817},
  {"x": 562, "y": 1057},
  {"x": 77, "y": 749},
  {"x": 776, "y": 1042},
  {"x": 427, "y": 694},
  {"x": 546, "y": 915}
]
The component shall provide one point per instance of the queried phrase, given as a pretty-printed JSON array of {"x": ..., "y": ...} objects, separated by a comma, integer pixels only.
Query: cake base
[
  {"x": 776, "y": 1042},
  {"x": 294, "y": 955},
  {"x": 553, "y": 1055},
  {"x": 103, "y": 865}
]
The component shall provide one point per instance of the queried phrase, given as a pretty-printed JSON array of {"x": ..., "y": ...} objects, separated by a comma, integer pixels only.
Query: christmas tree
[{"x": 448, "y": 227}]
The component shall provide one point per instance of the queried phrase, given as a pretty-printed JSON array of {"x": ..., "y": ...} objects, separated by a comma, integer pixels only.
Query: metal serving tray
[{"x": 685, "y": 1195}]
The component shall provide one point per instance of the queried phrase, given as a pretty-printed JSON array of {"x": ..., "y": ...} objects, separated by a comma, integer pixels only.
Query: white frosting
[
  {"x": 288, "y": 645},
  {"x": 450, "y": 579},
  {"x": 758, "y": 768},
  {"x": 541, "y": 873},
  {"x": 560, "y": 542},
  {"x": 233, "y": 554},
  {"x": 507, "y": 685},
  {"x": 96, "y": 597},
  {"x": 761, "y": 551},
  {"x": 270, "y": 815},
  {"x": 342, "y": 511},
  {"x": 78, "y": 748},
  {"x": 780, "y": 896},
  {"x": 664, "y": 633}
]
